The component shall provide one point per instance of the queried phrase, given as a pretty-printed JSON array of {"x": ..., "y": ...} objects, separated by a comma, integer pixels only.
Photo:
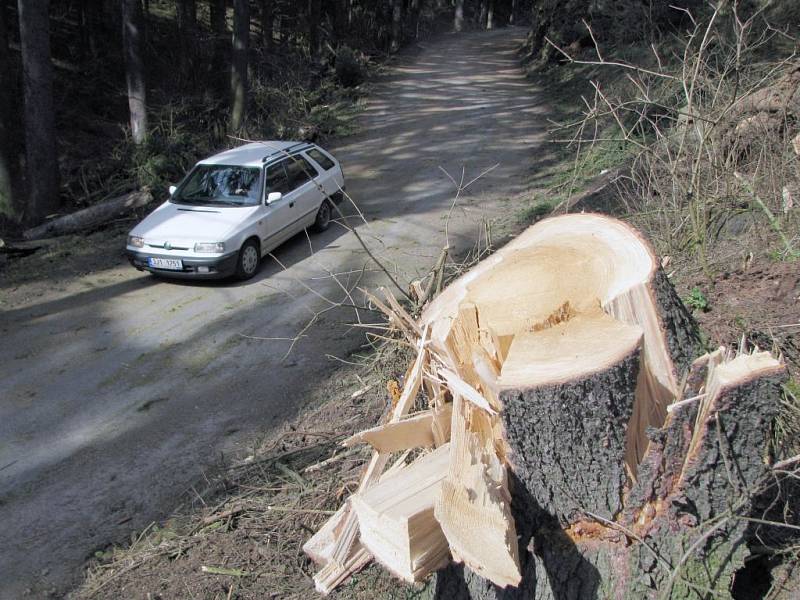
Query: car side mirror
[
  {"x": 274, "y": 197},
  {"x": 172, "y": 189}
]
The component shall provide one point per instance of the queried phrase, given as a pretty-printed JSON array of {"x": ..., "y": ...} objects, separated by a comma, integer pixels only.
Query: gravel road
[{"x": 118, "y": 390}]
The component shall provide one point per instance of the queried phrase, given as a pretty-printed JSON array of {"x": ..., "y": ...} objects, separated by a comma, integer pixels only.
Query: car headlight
[
  {"x": 135, "y": 241},
  {"x": 215, "y": 247}
]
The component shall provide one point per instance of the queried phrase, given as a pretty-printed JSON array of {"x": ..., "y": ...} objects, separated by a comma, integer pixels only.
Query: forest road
[{"x": 118, "y": 389}]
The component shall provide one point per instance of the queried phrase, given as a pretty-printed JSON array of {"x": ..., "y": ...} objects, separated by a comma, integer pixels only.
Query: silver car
[{"x": 235, "y": 207}]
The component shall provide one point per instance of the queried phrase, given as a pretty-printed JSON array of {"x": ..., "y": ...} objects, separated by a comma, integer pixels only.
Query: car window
[
  {"x": 277, "y": 180},
  {"x": 299, "y": 171},
  {"x": 322, "y": 160}
]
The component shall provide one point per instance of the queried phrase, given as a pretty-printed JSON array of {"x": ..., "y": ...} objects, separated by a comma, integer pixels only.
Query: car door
[
  {"x": 279, "y": 216},
  {"x": 305, "y": 191},
  {"x": 328, "y": 176}
]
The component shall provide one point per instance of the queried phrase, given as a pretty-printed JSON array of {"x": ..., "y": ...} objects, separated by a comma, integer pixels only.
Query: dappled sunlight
[{"x": 118, "y": 389}]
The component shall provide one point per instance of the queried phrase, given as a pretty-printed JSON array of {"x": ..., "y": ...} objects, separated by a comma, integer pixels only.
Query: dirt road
[{"x": 118, "y": 390}]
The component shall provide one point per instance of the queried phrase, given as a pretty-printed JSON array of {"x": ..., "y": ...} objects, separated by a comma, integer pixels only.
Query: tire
[
  {"x": 323, "y": 220},
  {"x": 248, "y": 261}
]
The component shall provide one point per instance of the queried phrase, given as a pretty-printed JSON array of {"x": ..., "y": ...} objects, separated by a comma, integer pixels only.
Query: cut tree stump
[
  {"x": 591, "y": 455},
  {"x": 92, "y": 216}
]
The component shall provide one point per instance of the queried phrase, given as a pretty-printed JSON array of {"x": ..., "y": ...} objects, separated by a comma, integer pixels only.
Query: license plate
[{"x": 173, "y": 264}]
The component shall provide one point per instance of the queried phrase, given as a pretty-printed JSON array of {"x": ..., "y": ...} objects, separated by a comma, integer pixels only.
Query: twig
[{"x": 224, "y": 571}]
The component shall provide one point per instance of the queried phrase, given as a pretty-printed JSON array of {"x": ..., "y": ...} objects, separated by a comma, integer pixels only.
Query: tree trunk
[
  {"x": 490, "y": 15},
  {"x": 221, "y": 43},
  {"x": 267, "y": 17},
  {"x": 482, "y": 15},
  {"x": 512, "y": 16},
  {"x": 42, "y": 173},
  {"x": 132, "y": 32},
  {"x": 314, "y": 13},
  {"x": 416, "y": 9},
  {"x": 239, "y": 83},
  {"x": 397, "y": 25},
  {"x": 90, "y": 217},
  {"x": 458, "y": 19},
  {"x": 10, "y": 201}
]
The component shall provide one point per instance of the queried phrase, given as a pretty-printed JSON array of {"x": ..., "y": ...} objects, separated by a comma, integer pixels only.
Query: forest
[{"x": 100, "y": 97}]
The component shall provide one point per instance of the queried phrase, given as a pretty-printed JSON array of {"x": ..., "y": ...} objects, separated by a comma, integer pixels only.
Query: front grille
[{"x": 171, "y": 247}]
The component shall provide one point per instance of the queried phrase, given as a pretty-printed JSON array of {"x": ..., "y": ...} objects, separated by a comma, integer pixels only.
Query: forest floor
[
  {"x": 175, "y": 453},
  {"x": 122, "y": 393}
]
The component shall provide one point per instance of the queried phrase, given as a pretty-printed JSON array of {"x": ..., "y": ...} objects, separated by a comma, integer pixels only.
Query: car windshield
[{"x": 220, "y": 184}]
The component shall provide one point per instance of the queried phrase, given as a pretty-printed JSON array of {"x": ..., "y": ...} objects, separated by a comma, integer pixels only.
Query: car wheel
[
  {"x": 323, "y": 219},
  {"x": 249, "y": 258}
]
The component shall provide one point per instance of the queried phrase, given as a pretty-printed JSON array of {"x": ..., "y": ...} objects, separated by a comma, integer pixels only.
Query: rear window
[
  {"x": 299, "y": 171},
  {"x": 322, "y": 160}
]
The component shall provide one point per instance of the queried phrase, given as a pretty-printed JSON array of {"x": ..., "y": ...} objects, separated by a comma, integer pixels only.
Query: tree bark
[
  {"x": 267, "y": 17},
  {"x": 239, "y": 81},
  {"x": 458, "y": 19},
  {"x": 132, "y": 32},
  {"x": 10, "y": 201},
  {"x": 416, "y": 9},
  {"x": 482, "y": 15},
  {"x": 314, "y": 13},
  {"x": 90, "y": 217},
  {"x": 221, "y": 42},
  {"x": 42, "y": 173},
  {"x": 397, "y": 25}
]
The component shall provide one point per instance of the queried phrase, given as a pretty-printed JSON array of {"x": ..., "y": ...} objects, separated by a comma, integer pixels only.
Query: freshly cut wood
[
  {"x": 473, "y": 506},
  {"x": 346, "y": 555},
  {"x": 416, "y": 431},
  {"x": 98, "y": 214},
  {"x": 396, "y": 520},
  {"x": 573, "y": 265}
]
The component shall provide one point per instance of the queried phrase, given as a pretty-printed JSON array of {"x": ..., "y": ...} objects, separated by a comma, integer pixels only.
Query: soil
[{"x": 759, "y": 300}]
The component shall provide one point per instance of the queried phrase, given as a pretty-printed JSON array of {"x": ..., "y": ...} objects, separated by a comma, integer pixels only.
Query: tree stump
[
  {"x": 590, "y": 454},
  {"x": 611, "y": 495}
]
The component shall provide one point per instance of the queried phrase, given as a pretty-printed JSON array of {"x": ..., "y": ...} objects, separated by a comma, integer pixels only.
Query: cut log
[
  {"x": 93, "y": 216},
  {"x": 396, "y": 520}
]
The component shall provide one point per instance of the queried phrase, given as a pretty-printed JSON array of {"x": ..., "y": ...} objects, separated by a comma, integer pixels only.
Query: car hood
[{"x": 181, "y": 222}]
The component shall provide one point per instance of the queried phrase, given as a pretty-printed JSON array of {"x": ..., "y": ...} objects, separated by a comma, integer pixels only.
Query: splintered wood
[{"x": 548, "y": 360}]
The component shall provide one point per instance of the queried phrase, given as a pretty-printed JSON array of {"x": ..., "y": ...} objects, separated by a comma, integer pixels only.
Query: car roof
[{"x": 254, "y": 154}]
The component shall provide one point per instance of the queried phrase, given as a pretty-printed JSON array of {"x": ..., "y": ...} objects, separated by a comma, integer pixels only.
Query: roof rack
[{"x": 293, "y": 148}]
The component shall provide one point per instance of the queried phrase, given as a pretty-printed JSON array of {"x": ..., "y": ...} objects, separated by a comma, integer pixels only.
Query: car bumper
[{"x": 215, "y": 267}]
